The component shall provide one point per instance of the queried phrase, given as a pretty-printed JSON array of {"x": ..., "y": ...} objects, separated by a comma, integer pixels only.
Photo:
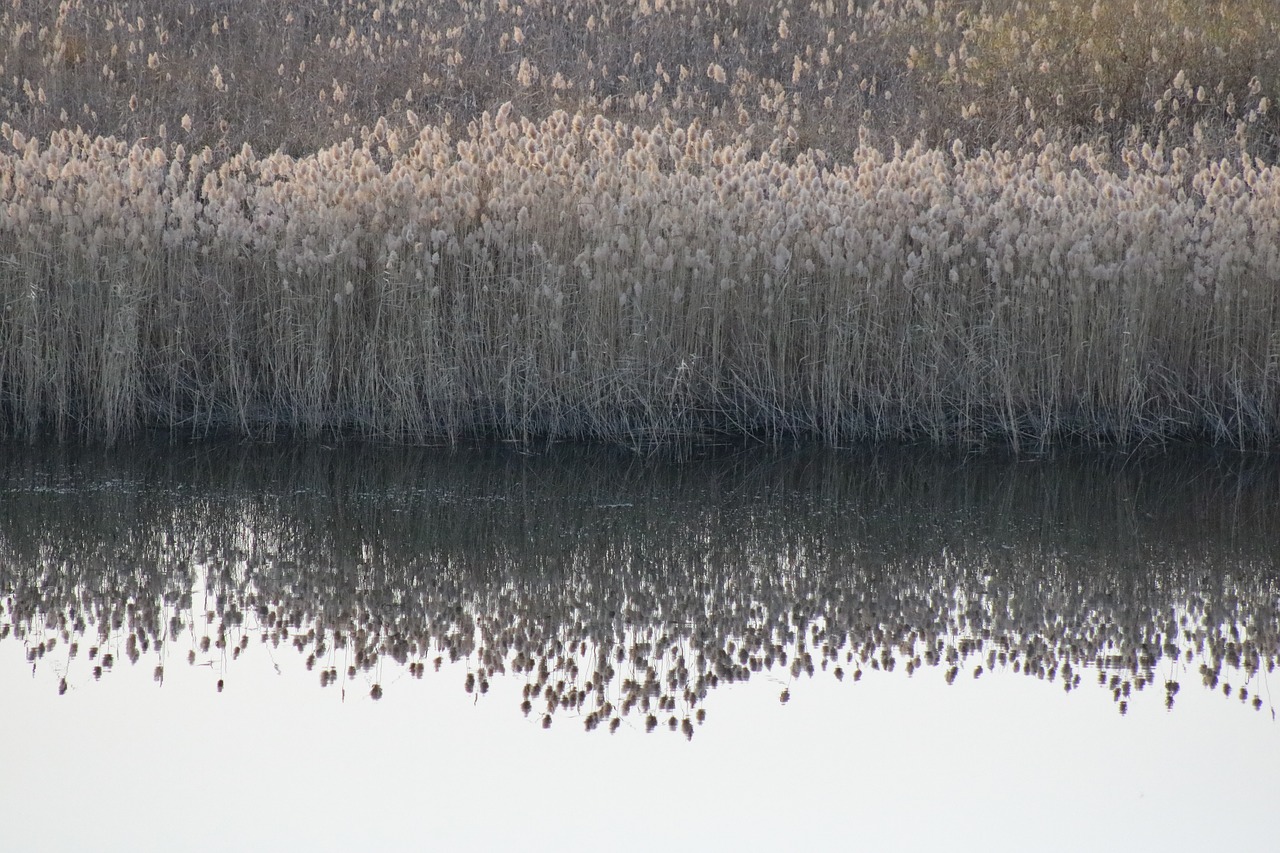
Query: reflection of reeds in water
[{"x": 625, "y": 592}]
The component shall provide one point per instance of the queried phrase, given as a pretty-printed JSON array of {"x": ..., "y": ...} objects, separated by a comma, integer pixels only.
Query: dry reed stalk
[{"x": 578, "y": 278}]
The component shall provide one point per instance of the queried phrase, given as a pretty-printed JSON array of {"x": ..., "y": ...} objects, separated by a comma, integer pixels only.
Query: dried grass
[{"x": 720, "y": 236}]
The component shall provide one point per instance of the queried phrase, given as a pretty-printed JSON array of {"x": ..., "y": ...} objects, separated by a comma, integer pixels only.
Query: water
[{"x": 287, "y": 647}]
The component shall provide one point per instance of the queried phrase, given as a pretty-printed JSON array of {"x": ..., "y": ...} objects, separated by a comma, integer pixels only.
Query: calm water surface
[{"x": 274, "y": 647}]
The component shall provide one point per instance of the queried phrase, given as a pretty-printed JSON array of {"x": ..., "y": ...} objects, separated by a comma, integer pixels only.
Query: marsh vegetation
[{"x": 965, "y": 223}]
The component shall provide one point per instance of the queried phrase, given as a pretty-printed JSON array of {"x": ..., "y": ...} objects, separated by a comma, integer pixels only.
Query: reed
[
  {"x": 222, "y": 73},
  {"x": 714, "y": 246}
]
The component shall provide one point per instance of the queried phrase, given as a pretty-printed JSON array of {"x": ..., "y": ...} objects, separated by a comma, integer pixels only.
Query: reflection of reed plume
[{"x": 615, "y": 588}]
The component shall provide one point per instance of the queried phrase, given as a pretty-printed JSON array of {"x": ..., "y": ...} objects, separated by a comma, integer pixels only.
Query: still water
[{"x": 337, "y": 648}]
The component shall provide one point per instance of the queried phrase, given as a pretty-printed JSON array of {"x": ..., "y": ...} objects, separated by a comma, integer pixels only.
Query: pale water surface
[{"x": 329, "y": 648}]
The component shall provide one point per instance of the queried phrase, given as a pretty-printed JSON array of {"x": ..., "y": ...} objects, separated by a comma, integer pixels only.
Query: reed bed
[
  {"x": 721, "y": 249},
  {"x": 223, "y": 73}
]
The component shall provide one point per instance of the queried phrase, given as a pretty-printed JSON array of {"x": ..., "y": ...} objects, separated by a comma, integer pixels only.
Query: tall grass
[
  {"x": 223, "y": 73},
  {"x": 730, "y": 240}
]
